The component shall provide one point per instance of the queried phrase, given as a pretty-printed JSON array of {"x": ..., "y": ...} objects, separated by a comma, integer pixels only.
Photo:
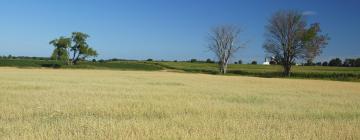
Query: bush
[
  {"x": 193, "y": 60},
  {"x": 335, "y": 62},
  {"x": 357, "y": 62},
  {"x": 114, "y": 59},
  {"x": 349, "y": 63},
  {"x": 209, "y": 61},
  {"x": 254, "y": 62},
  {"x": 239, "y": 62},
  {"x": 149, "y": 59},
  {"x": 325, "y": 63},
  {"x": 309, "y": 63}
]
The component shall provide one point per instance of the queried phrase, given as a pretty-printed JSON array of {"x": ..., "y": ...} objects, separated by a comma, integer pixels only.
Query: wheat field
[{"x": 106, "y": 104}]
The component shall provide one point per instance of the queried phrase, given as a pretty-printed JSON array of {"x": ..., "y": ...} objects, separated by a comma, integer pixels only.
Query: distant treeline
[
  {"x": 25, "y": 57},
  {"x": 348, "y": 62}
]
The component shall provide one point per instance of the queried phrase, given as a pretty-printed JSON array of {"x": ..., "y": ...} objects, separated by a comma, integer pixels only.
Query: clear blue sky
[{"x": 165, "y": 29}]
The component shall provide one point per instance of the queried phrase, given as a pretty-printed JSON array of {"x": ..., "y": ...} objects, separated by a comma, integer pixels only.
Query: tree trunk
[
  {"x": 68, "y": 57},
  {"x": 58, "y": 57},
  {"x": 74, "y": 62},
  {"x": 287, "y": 68},
  {"x": 223, "y": 68},
  {"x": 220, "y": 68},
  {"x": 75, "y": 58}
]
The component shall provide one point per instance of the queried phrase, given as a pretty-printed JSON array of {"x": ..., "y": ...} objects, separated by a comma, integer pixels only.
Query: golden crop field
[{"x": 106, "y": 104}]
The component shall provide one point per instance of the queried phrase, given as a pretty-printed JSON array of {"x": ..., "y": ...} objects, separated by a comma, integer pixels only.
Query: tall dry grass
[{"x": 104, "y": 104}]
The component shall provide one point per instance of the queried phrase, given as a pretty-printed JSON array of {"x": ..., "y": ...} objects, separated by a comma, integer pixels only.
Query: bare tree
[
  {"x": 224, "y": 42},
  {"x": 289, "y": 39}
]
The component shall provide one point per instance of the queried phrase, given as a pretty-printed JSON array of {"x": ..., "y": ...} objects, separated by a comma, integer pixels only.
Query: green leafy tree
[
  {"x": 61, "y": 45},
  {"x": 87, "y": 52},
  {"x": 81, "y": 49}
]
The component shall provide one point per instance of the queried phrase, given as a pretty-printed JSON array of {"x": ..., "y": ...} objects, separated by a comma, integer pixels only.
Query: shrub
[
  {"x": 149, "y": 59},
  {"x": 349, "y": 63},
  {"x": 309, "y": 63},
  {"x": 254, "y": 62},
  {"x": 357, "y": 62},
  {"x": 325, "y": 63},
  {"x": 193, "y": 60},
  {"x": 209, "y": 61},
  {"x": 114, "y": 59},
  {"x": 335, "y": 62}
]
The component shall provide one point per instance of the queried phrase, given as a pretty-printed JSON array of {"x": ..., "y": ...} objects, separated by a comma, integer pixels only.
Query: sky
[{"x": 167, "y": 29}]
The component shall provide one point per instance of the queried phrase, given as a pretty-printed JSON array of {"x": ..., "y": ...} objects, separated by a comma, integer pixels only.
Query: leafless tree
[
  {"x": 289, "y": 39},
  {"x": 224, "y": 42}
]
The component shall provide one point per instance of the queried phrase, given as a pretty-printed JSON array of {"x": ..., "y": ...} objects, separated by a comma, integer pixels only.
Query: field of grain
[{"x": 107, "y": 104}]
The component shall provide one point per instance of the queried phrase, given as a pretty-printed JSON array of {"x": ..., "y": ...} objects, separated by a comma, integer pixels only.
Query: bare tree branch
[{"x": 224, "y": 43}]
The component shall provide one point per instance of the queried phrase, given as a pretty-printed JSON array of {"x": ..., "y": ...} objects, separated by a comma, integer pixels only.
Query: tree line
[{"x": 348, "y": 62}]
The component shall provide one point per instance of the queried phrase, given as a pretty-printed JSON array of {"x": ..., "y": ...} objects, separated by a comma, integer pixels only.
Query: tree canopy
[
  {"x": 289, "y": 38},
  {"x": 224, "y": 43},
  {"x": 61, "y": 48},
  {"x": 81, "y": 50}
]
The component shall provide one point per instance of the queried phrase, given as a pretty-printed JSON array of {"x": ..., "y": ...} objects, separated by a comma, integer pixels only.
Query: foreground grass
[{"x": 104, "y": 104}]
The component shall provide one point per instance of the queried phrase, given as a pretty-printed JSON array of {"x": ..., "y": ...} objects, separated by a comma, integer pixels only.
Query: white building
[
  {"x": 268, "y": 60},
  {"x": 266, "y": 63}
]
